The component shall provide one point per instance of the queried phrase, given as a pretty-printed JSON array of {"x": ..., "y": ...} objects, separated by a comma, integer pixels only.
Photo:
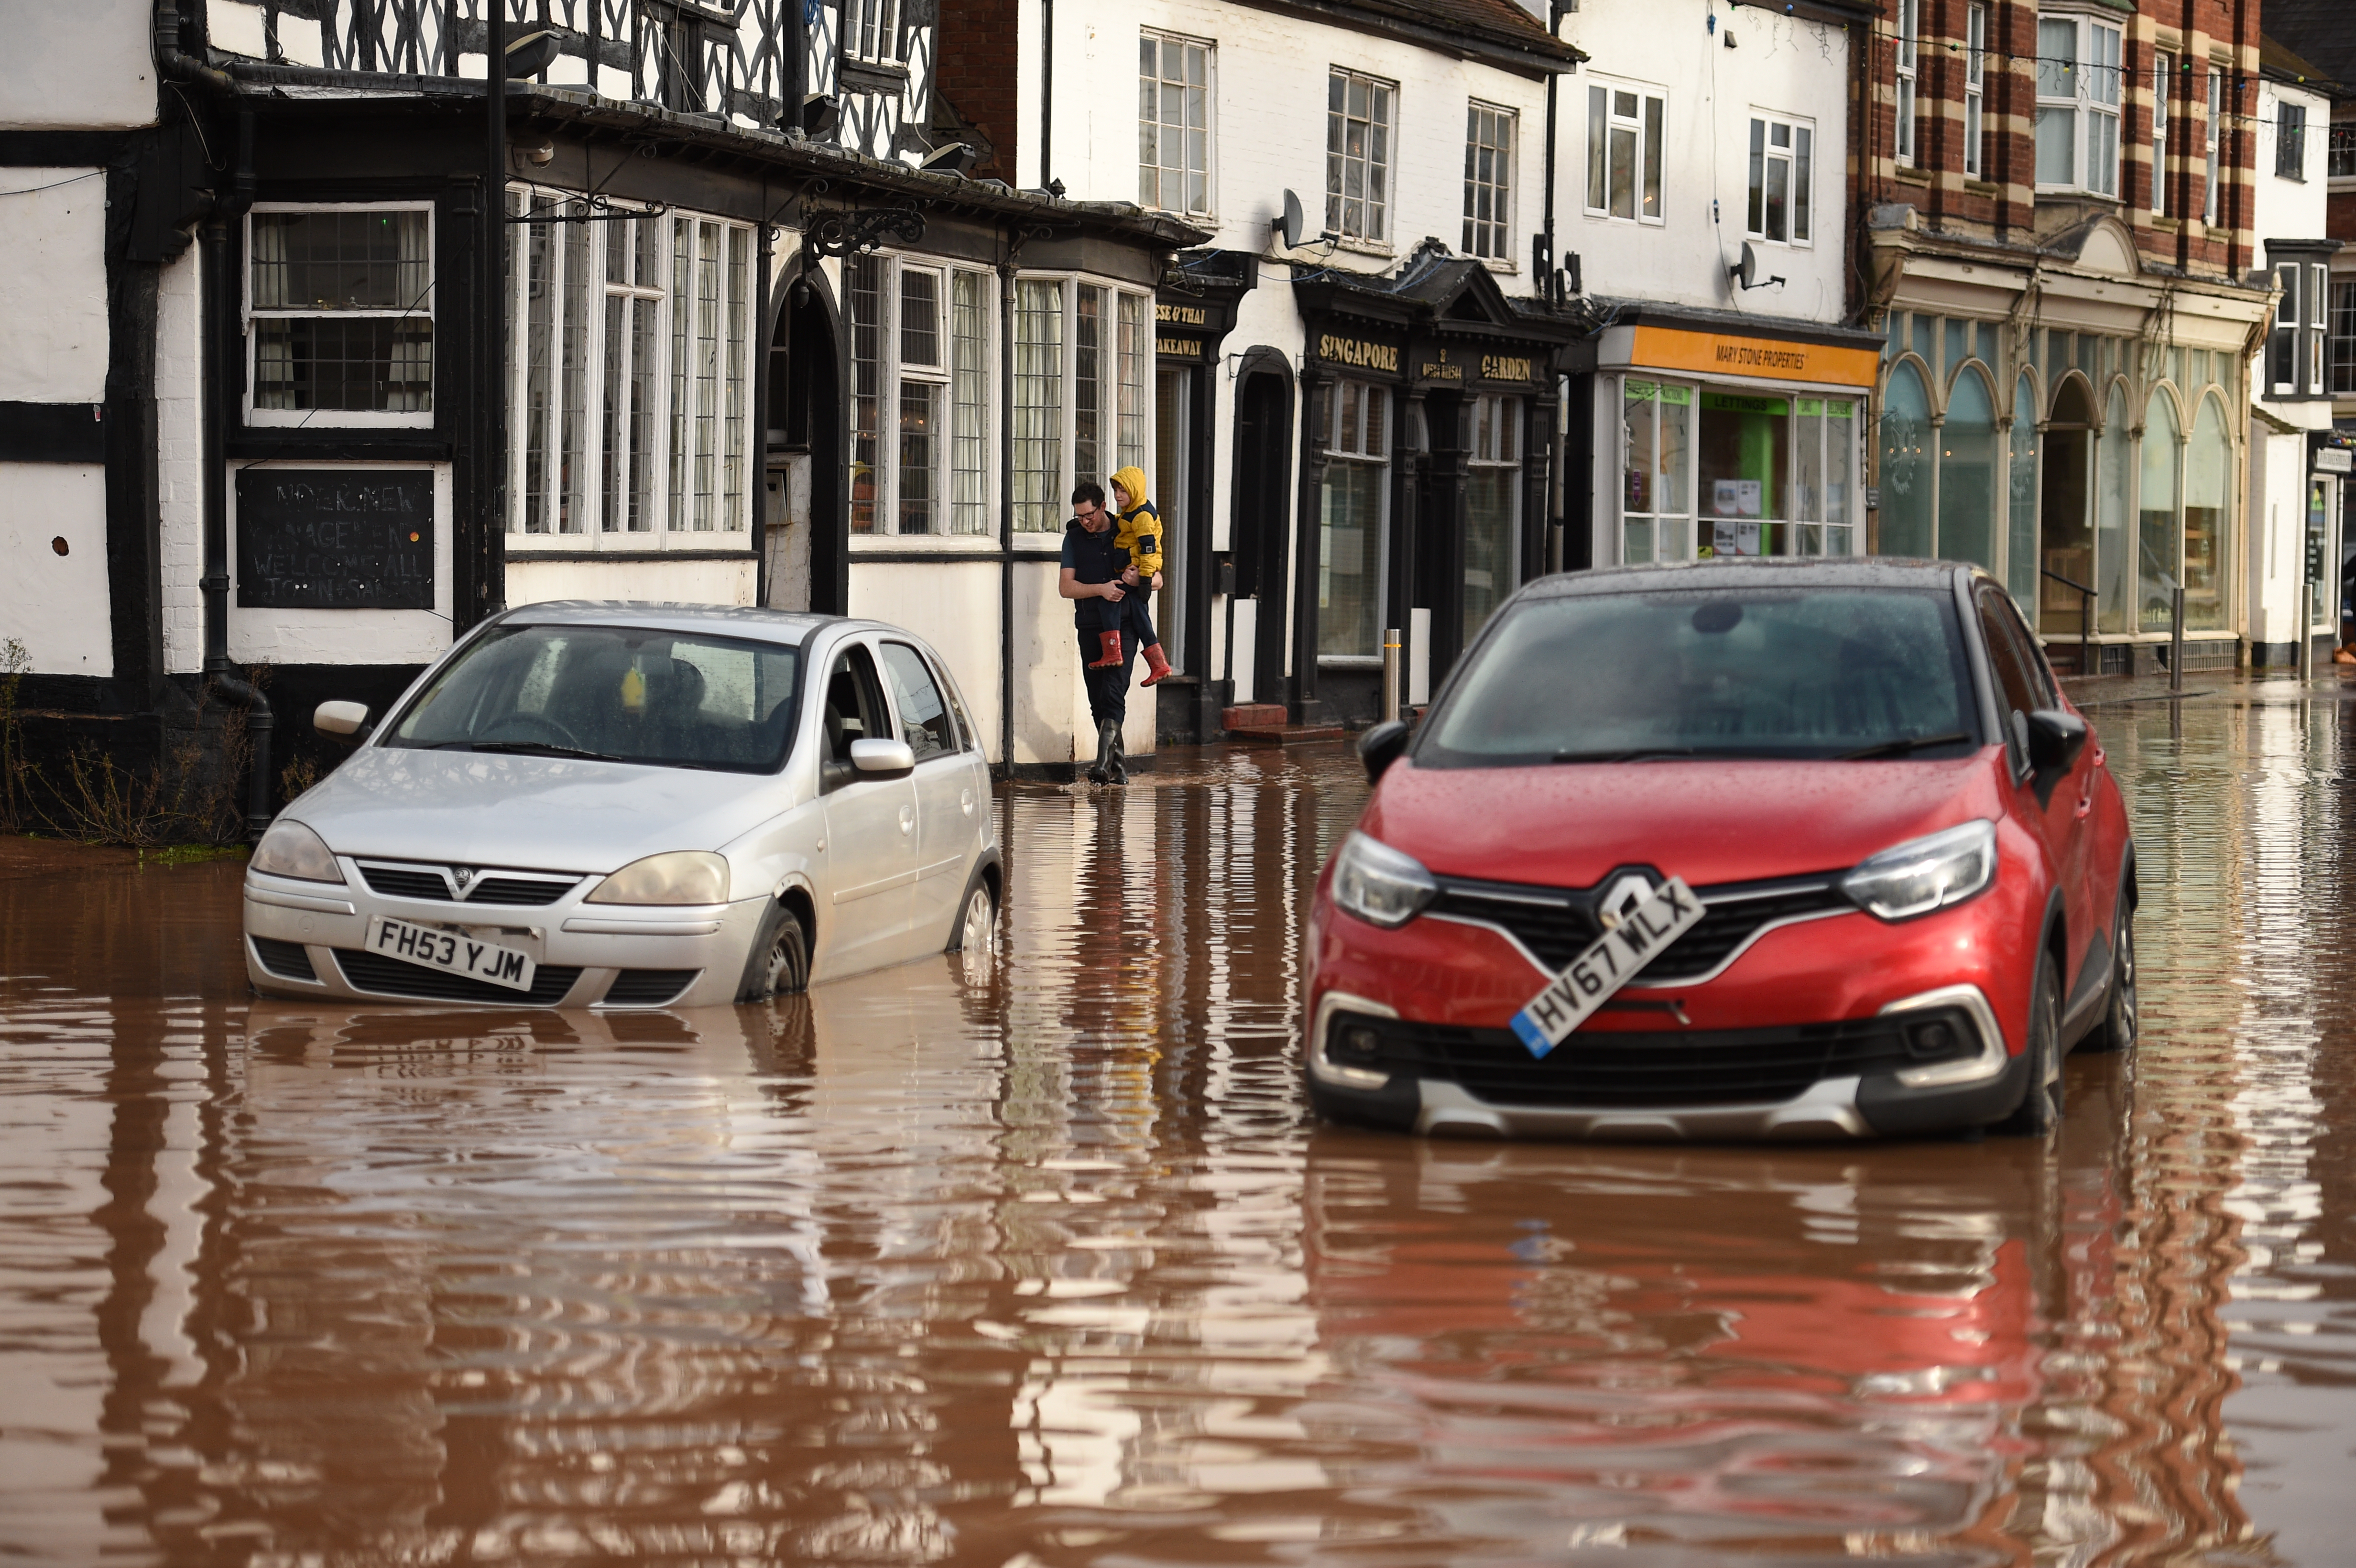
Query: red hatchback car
[{"x": 1739, "y": 850}]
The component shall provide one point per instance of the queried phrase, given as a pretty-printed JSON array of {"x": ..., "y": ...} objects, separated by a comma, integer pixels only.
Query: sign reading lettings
[{"x": 1765, "y": 358}]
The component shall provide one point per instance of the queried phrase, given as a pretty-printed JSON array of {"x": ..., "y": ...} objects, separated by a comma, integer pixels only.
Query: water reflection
[{"x": 1043, "y": 1264}]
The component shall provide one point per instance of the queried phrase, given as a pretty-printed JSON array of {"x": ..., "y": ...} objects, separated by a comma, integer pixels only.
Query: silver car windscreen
[{"x": 622, "y": 694}]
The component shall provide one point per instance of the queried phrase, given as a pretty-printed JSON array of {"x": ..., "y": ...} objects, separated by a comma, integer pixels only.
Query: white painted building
[
  {"x": 2298, "y": 469},
  {"x": 1704, "y": 191},
  {"x": 752, "y": 341},
  {"x": 1352, "y": 431}
]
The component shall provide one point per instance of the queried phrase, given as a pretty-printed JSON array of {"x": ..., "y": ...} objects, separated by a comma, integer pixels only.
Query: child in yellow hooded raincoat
[{"x": 1139, "y": 534}]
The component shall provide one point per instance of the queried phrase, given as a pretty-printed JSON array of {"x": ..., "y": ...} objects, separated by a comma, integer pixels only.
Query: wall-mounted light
[
  {"x": 539, "y": 154},
  {"x": 955, "y": 158},
  {"x": 533, "y": 53},
  {"x": 820, "y": 115}
]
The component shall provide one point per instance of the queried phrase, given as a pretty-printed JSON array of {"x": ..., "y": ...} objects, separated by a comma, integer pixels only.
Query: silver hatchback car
[{"x": 636, "y": 806}]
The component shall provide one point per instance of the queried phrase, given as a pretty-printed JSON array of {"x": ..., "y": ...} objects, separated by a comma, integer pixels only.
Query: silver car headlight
[
  {"x": 1925, "y": 874},
  {"x": 1379, "y": 884},
  {"x": 292, "y": 849},
  {"x": 680, "y": 877}
]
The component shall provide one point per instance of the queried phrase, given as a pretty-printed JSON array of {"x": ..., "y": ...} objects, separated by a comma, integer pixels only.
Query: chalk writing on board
[{"x": 335, "y": 539}]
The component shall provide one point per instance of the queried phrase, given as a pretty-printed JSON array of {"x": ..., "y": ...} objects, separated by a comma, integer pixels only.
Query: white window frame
[
  {"x": 2282, "y": 334},
  {"x": 2163, "y": 70},
  {"x": 2214, "y": 201},
  {"x": 1126, "y": 421},
  {"x": 335, "y": 418},
  {"x": 1798, "y": 159},
  {"x": 1907, "y": 59},
  {"x": 665, "y": 528},
  {"x": 1975, "y": 89},
  {"x": 2315, "y": 329},
  {"x": 2091, "y": 95},
  {"x": 2341, "y": 341},
  {"x": 1647, "y": 126},
  {"x": 1383, "y": 127},
  {"x": 877, "y": 20},
  {"x": 1162, "y": 170},
  {"x": 893, "y": 374},
  {"x": 1491, "y": 238}
]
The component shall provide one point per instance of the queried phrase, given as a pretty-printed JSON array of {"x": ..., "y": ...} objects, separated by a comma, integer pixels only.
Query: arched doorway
[
  {"x": 806, "y": 551},
  {"x": 1260, "y": 527},
  {"x": 2065, "y": 523}
]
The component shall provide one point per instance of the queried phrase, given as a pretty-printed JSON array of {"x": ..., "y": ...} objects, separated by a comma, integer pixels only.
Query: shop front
[
  {"x": 1193, "y": 313},
  {"x": 1427, "y": 408},
  {"x": 1730, "y": 441}
]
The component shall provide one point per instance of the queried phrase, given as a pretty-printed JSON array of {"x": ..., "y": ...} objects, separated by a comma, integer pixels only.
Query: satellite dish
[
  {"x": 1291, "y": 223},
  {"x": 1746, "y": 270}
]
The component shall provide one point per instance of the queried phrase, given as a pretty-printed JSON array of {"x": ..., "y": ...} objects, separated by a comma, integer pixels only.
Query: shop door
[
  {"x": 1174, "y": 446},
  {"x": 1262, "y": 524},
  {"x": 2065, "y": 521},
  {"x": 2325, "y": 569}
]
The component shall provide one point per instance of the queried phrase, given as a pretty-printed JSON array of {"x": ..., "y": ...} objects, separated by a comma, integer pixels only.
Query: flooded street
[{"x": 1049, "y": 1267}]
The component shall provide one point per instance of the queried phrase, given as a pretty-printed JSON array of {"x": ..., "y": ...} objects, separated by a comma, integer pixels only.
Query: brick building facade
[{"x": 2054, "y": 227}]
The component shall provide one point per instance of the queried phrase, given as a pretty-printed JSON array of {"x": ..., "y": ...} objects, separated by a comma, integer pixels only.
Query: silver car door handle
[
  {"x": 907, "y": 817},
  {"x": 965, "y": 800}
]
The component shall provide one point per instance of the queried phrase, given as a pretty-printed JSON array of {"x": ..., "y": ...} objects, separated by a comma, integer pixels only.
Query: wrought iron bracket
[
  {"x": 846, "y": 232},
  {"x": 600, "y": 211}
]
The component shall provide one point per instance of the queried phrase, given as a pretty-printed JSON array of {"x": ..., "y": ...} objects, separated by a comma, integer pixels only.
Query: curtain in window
[
  {"x": 2208, "y": 465},
  {"x": 1906, "y": 475},
  {"x": 1968, "y": 474},
  {"x": 1038, "y": 413},
  {"x": 2157, "y": 568}
]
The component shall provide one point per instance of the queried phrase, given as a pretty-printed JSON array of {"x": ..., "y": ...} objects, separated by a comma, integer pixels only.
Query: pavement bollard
[{"x": 1391, "y": 674}]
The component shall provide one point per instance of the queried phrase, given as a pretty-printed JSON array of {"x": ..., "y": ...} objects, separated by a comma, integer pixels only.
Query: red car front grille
[{"x": 1557, "y": 924}]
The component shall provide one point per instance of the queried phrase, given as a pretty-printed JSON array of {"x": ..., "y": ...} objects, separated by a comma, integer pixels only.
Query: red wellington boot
[
  {"x": 1157, "y": 668},
  {"x": 1111, "y": 655}
]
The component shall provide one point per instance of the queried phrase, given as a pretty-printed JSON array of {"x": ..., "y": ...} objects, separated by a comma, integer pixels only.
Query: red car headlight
[
  {"x": 1925, "y": 874},
  {"x": 1380, "y": 885}
]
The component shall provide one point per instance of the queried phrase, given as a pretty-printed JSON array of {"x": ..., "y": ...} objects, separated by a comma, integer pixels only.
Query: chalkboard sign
[{"x": 335, "y": 539}]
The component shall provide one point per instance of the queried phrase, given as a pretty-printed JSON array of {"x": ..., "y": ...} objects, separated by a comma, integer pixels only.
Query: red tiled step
[
  {"x": 1283, "y": 734},
  {"x": 1252, "y": 715}
]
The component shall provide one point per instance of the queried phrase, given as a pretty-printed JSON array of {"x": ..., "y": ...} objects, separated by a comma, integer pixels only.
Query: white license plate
[
  {"x": 452, "y": 952},
  {"x": 1610, "y": 963}
]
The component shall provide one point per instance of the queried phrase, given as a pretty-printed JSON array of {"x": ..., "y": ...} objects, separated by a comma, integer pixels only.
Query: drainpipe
[
  {"x": 1546, "y": 271},
  {"x": 1046, "y": 93},
  {"x": 230, "y": 206},
  {"x": 1006, "y": 511}
]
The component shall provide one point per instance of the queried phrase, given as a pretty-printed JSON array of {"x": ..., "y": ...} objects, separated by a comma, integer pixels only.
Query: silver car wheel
[{"x": 978, "y": 930}]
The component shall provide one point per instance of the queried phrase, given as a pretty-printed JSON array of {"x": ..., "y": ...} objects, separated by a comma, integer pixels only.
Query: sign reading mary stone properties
[{"x": 335, "y": 539}]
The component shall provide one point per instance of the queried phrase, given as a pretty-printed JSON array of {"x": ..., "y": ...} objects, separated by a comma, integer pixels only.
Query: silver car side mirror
[
  {"x": 341, "y": 718},
  {"x": 886, "y": 759}
]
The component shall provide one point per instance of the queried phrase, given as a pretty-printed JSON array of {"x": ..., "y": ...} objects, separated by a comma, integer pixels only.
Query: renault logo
[{"x": 1624, "y": 893}]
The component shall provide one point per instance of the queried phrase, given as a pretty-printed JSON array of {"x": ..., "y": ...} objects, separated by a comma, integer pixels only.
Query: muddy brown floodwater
[{"x": 1048, "y": 1267}]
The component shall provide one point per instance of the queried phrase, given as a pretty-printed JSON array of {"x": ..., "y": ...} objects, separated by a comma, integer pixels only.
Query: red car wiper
[{"x": 1900, "y": 747}]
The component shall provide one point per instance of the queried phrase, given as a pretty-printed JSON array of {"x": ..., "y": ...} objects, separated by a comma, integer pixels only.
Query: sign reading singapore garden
[{"x": 335, "y": 539}]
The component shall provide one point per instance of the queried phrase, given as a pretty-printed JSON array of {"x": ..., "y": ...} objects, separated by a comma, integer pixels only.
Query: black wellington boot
[
  {"x": 1117, "y": 773},
  {"x": 1108, "y": 737}
]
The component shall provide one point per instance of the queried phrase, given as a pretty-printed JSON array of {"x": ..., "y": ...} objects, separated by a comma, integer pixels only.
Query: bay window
[
  {"x": 629, "y": 374},
  {"x": 920, "y": 401},
  {"x": 1082, "y": 396},
  {"x": 2078, "y": 104}
]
